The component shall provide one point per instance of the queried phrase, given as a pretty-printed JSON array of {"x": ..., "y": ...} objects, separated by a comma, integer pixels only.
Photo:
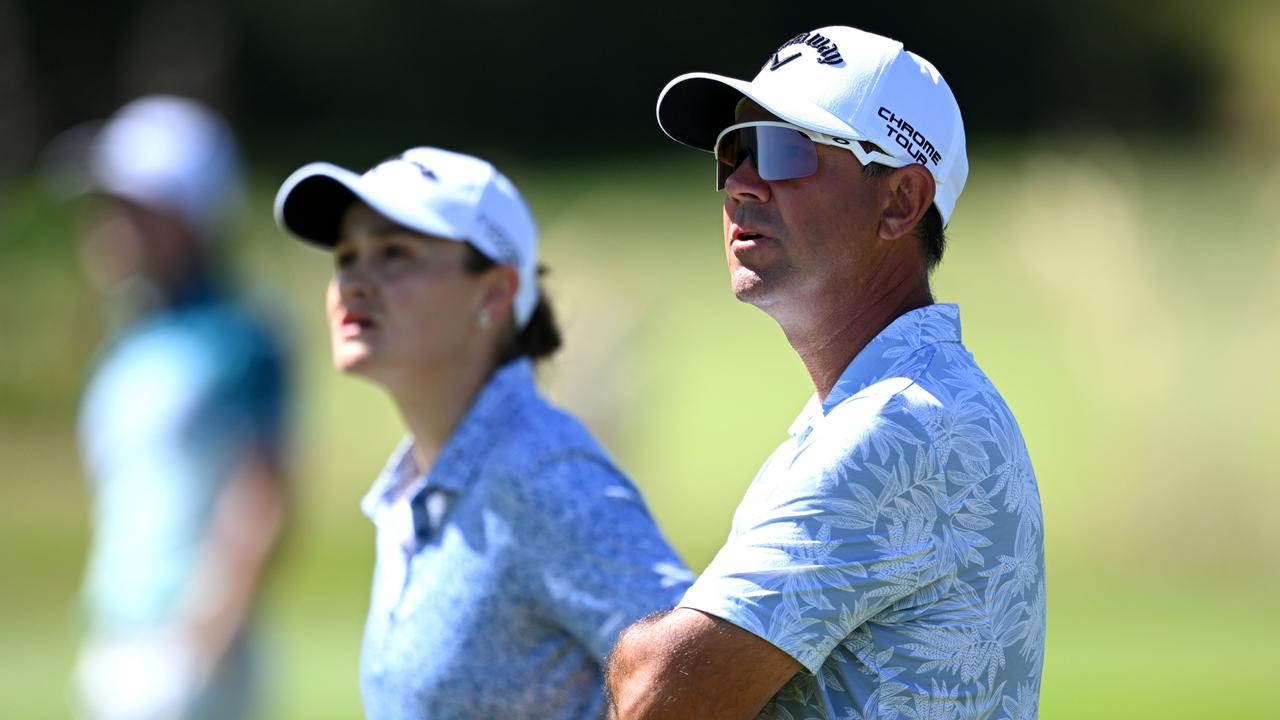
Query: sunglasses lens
[
  {"x": 784, "y": 153},
  {"x": 730, "y": 152},
  {"x": 779, "y": 153}
]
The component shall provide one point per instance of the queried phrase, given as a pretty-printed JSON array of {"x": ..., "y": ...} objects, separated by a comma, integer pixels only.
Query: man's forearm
[
  {"x": 629, "y": 679},
  {"x": 688, "y": 664}
]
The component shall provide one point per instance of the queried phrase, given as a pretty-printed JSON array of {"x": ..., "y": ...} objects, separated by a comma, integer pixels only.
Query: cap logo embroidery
[
  {"x": 908, "y": 138},
  {"x": 776, "y": 63},
  {"x": 426, "y": 171},
  {"x": 828, "y": 52},
  {"x": 507, "y": 253}
]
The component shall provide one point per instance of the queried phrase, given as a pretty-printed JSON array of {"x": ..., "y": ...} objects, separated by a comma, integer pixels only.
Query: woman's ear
[{"x": 500, "y": 284}]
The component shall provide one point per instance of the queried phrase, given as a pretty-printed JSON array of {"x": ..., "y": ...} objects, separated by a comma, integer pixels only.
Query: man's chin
[{"x": 748, "y": 286}]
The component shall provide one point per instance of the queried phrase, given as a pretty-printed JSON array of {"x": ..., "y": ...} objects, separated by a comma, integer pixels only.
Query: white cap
[
  {"x": 169, "y": 153},
  {"x": 840, "y": 81},
  {"x": 432, "y": 191}
]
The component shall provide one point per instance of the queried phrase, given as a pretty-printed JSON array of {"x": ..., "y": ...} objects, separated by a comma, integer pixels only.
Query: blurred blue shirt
[
  {"x": 176, "y": 403},
  {"x": 506, "y": 573},
  {"x": 893, "y": 545}
]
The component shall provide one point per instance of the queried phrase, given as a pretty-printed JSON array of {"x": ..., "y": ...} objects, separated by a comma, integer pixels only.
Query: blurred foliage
[{"x": 308, "y": 78}]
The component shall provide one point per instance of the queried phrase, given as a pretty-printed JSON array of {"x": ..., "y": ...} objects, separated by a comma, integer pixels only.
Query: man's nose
[{"x": 745, "y": 183}]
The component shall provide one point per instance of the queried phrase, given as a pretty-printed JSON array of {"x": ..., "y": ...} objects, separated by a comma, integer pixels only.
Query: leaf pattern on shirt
[
  {"x": 894, "y": 545},
  {"x": 1025, "y": 705}
]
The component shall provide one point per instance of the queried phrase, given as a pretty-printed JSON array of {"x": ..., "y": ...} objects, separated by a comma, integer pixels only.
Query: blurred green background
[{"x": 1115, "y": 255}]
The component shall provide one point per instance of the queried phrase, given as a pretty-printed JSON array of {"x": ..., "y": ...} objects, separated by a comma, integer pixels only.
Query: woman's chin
[{"x": 353, "y": 362}]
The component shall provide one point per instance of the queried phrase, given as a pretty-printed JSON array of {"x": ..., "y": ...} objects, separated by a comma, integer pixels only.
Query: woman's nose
[{"x": 354, "y": 281}]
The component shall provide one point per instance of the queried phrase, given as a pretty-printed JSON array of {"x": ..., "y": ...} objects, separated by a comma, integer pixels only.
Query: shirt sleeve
[
  {"x": 594, "y": 557},
  {"x": 826, "y": 539},
  {"x": 252, "y": 389}
]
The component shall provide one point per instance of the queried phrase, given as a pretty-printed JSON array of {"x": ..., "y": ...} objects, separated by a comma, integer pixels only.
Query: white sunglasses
[{"x": 782, "y": 151}]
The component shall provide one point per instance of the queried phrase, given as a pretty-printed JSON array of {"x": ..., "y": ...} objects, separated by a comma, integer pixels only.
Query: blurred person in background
[
  {"x": 511, "y": 551},
  {"x": 888, "y": 559},
  {"x": 182, "y": 426}
]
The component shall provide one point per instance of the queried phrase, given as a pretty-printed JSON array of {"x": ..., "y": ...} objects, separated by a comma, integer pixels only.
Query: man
[
  {"x": 181, "y": 427},
  {"x": 887, "y": 561}
]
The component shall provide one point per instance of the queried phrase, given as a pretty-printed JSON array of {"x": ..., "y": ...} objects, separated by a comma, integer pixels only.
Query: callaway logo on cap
[
  {"x": 840, "y": 81},
  {"x": 432, "y": 191}
]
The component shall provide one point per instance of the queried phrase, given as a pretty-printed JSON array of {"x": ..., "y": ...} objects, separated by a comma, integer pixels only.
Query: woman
[{"x": 511, "y": 552}]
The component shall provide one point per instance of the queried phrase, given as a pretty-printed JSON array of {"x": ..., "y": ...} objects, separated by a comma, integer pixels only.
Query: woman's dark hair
[{"x": 540, "y": 337}]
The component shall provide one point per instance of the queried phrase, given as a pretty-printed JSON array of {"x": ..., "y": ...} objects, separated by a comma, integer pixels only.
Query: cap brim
[
  {"x": 695, "y": 107},
  {"x": 312, "y": 200}
]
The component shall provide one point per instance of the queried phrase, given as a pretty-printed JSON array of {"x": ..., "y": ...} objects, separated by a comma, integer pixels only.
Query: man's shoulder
[
  {"x": 916, "y": 409},
  {"x": 939, "y": 379}
]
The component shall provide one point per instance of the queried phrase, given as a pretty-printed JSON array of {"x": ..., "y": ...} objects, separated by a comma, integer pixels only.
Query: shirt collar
[
  {"x": 401, "y": 470},
  {"x": 901, "y": 339},
  {"x": 460, "y": 459}
]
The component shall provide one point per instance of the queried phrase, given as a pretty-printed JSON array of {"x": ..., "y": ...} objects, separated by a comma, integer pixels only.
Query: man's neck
[{"x": 828, "y": 342}]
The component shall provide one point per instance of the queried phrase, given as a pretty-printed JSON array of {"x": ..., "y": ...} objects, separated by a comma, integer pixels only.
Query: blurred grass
[{"x": 1123, "y": 299}]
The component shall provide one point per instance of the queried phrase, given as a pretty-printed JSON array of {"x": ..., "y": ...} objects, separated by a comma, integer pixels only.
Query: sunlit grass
[{"x": 1123, "y": 301}]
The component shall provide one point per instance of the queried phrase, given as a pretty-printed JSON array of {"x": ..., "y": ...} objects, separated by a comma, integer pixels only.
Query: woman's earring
[{"x": 483, "y": 320}]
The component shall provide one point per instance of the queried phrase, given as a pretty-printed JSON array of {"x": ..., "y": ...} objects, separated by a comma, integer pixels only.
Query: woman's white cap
[
  {"x": 428, "y": 190},
  {"x": 840, "y": 81}
]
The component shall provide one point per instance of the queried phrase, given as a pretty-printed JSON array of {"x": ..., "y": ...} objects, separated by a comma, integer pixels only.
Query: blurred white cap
[{"x": 172, "y": 154}]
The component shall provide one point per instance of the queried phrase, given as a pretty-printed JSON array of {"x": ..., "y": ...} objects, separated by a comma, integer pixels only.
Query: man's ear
[{"x": 910, "y": 191}]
